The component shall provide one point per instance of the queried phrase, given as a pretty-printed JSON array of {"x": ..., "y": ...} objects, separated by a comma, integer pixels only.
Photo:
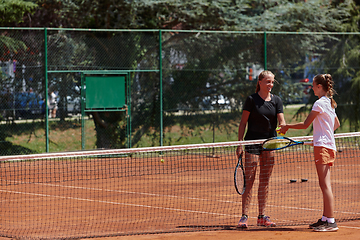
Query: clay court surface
[
  {"x": 183, "y": 193},
  {"x": 348, "y": 231}
]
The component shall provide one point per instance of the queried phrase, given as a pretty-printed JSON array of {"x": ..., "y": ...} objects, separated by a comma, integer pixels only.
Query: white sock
[
  {"x": 324, "y": 218},
  {"x": 331, "y": 220}
]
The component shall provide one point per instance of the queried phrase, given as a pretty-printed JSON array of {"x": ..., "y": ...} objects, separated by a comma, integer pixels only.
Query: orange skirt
[{"x": 324, "y": 155}]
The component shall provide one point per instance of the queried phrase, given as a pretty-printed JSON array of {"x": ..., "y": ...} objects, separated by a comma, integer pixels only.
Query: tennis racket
[
  {"x": 239, "y": 176},
  {"x": 277, "y": 143}
]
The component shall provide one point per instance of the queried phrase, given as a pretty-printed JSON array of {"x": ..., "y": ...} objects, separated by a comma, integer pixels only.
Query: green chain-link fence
[{"x": 185, "y": 86}]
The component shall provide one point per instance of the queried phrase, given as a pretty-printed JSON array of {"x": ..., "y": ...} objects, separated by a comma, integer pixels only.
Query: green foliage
[
  {"x": 242, "y": 15},
  {"x": 347, "y": 78},
  {"x": 212, "y": 65},
  {"x": 342, "y": 61},
  {"x": 11, "y": 45},
  {"x": 12, "y": 11},
  {"x": 309, "y": 16}
]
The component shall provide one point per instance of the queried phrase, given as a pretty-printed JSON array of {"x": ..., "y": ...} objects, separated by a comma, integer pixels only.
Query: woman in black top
[{"x": 261, "y": 112}]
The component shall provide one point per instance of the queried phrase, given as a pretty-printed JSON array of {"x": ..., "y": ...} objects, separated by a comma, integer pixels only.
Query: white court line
[
  {"x": 161, "y": 195},
  {"x": 173, "y": 196},
  {"x": 117, "y": 203},
  {"x": 349, "y": 227},
  {"x": 311, "y": 209},
  {"x": 123, "y": 191}
]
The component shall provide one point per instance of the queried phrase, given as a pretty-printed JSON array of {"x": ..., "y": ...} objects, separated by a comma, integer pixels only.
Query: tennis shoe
[
  {"x": 265, "y": 221},
  {"x": 327, "y": 227},
  {"x": 317, "y": 224},
  {"x": 243, "y": 222}
]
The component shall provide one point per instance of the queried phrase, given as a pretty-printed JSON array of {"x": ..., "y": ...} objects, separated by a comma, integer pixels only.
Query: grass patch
[
  {"x": 63, "y": 136},
  {"x": 185, "y": 129}
]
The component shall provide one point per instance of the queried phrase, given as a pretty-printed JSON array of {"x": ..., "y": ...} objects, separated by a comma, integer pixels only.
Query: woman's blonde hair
[
  {"x": 327, "y": 83},
  {"x": 262, "y": 75}
]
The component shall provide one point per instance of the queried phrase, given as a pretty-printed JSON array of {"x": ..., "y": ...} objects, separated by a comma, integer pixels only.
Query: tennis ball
[
  {"x": 162, "y": 160},
  {"x": 278, "y": 131}
]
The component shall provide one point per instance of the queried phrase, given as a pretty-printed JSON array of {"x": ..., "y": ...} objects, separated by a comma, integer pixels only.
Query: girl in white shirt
[{"x": 325, "y": 122}]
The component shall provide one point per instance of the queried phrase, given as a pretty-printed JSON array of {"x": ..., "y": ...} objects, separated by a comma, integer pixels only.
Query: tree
[
  {"x": 339, "y": 55},
  {"x": 225, "y": 57},
  {"x": 12, "y": 11},
  {"x": 345, "y": 59}
]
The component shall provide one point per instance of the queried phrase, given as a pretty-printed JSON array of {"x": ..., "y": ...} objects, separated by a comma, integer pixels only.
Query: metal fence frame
[{"x": 47, "y": 71}]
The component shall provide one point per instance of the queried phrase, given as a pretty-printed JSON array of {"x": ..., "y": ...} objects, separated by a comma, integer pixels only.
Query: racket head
[
  {"x": 276, "y": 143},
  {"x": 239, "y": 177}
]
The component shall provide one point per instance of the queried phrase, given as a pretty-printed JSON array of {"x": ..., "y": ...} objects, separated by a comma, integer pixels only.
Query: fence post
[
  {"x": 46, "y": 92},
  {"x": 265, "y": 55},
  {"x": 82, "y": 106},
  {"x": 161, "y": 89}
]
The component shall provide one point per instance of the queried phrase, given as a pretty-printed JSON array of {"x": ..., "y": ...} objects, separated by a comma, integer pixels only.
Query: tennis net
[{"x": 164, "y": 189}]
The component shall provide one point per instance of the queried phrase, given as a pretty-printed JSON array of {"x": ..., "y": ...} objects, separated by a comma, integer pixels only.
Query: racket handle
[{"x": 308, "y": 143}]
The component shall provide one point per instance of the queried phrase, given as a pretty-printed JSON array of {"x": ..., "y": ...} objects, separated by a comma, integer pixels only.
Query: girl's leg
[
  {"x": 267, "y": 161},
  {"x": 323, "y": 171},
  {"x": 250, "y": 172}
]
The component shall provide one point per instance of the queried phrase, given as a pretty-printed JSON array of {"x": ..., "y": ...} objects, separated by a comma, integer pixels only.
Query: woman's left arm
[
  {"x": 281, "y": 119},
  {"x": 280, "y": 110}
]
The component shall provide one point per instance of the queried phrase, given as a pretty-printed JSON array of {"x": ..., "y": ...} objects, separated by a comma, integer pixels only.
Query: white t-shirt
[
  {"x": 52, "y": 101},
  {"x": 324, "y": 123}
]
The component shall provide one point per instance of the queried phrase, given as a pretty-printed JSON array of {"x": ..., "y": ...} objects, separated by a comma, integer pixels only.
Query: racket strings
[{"x": 276, "y": 143}]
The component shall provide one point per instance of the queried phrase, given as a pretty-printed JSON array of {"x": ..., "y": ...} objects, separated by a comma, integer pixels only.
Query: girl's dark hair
[
  {"x": 262, "y": 75},
  {"x": 327, "y": 83}
]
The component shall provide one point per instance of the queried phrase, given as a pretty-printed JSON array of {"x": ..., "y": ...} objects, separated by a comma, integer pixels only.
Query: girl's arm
[
  {"x": 337, "y": 123},
  {"x": 301, "y": 125}
]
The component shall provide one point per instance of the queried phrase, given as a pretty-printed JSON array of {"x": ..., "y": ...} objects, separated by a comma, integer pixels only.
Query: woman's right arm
[{"x": 242, "y": 126}]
